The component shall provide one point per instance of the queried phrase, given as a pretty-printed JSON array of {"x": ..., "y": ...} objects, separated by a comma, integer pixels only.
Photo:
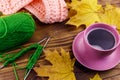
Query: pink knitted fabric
[
  {"x": 48, "y": 11},
  {"x": 12, "y": 6}
]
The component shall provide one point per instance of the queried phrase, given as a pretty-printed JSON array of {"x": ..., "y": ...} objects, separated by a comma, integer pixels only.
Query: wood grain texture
[{"x": 61, "y": 36}]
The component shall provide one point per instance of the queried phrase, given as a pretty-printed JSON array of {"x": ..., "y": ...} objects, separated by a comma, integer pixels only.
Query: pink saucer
[{"x": 94, "y": 61}]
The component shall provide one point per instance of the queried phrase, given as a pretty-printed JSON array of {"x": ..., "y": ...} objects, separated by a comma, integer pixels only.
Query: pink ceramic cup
[
  {"x": 101, "y": 38},
  {"x": 97, "y": 47}
]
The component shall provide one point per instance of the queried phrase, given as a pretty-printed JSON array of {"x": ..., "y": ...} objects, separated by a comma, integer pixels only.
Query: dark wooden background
[{"x": 61, "y": 36}]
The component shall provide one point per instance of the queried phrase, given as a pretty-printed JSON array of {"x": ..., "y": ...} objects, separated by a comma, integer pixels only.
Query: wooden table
[{"x": 61, "y": 36}]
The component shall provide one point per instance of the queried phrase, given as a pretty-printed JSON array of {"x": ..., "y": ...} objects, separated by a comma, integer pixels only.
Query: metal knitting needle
[
  {"x": 42, "y": 40},
  {"x": 34, "y": 64},
  {"x": 9, "y": 60},
  {"x": 1, "y": 66}
]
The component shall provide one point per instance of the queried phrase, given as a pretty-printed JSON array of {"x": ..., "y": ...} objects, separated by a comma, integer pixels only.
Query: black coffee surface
[{"x": 101, "y": 38}]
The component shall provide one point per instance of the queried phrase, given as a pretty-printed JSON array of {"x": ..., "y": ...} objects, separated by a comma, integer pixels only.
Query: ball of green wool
[{"x": 15, "y": 29}]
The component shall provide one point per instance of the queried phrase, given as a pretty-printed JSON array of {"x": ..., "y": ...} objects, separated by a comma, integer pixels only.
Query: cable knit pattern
[
  {"x": 54, "y": 11},
  {"x": 64, "y": 13},
  {"x": 38, "y": 9},
  {"x": 48, "y": 11},
  {"x": 12, "y": 6}
]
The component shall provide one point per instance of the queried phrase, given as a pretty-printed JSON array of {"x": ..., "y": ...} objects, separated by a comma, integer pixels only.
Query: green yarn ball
[{"x": 15, "y": 29}]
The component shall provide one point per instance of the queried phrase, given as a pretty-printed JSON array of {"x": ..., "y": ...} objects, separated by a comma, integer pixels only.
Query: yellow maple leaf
[
  {"x": 87, "y": 12},
  {"x": 61, "y": 68},
  {"x": 96, "y": 77},
  {"x": 111, "y": 16}
]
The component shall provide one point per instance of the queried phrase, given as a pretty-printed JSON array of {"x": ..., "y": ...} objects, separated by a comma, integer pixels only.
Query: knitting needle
[
  {"x": 18, "y": 55},
  {"x": 1, "y": 66},
  {"x": 34, "y": 63}
]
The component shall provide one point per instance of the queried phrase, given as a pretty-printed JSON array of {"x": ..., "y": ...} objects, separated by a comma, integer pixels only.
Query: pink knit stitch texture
[
  {"x": 48, "y": 11},
  {"x": 38, "y": 9},
  {"x": 12, "y": 6}
]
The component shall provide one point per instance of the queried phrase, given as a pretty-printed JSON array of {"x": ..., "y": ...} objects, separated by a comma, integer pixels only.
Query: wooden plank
[{"x": 61, "y": 36}]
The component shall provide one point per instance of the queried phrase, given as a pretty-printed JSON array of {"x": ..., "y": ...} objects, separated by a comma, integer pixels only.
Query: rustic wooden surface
[{"x": 61, "y": 36}]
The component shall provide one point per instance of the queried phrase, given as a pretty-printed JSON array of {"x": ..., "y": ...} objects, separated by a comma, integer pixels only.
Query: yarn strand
[{"x": 15, "y": 29}]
